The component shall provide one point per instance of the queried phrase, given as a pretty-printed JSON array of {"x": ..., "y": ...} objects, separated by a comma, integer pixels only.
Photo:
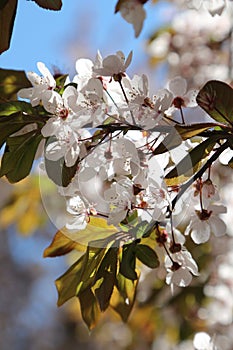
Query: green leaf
[
  {"x": 107, "y": 272},
  {"x": 128, "y": 262},
  {"x": 59, "y": 172},
  {"x": 147, "y": 256},
  {"x": 19, "y": 155},
  {"x": 188, "y": 131},
  {"x": 55, "y": 5},
  {"x": 191, "y": 162},
  {"x": 13, "y": 107},
  {"x": 11, "y": 81},
  {"x": 142, "y": 230},
  {"x": 80, "y": 276},
  {"x": 93, "y": 258},
  {"x": 67, "y": 283},
  {"x": 123, "y": 297},
  {"x": 216, "y": 98},
  {"x": 13, "y": 122},
  {"x": 89, "y": 308},
  {"x": 7, "y": 17}
]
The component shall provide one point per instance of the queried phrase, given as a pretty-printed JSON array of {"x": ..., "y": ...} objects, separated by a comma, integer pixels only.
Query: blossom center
[
  {"x": 203, "y": 214},
  {"x": 178, "y": 102}
]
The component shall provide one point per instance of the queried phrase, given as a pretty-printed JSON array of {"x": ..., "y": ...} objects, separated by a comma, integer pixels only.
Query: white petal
[
  {"x": 84, "y": 67},
  {"x": 52, "y": 101},
  {"x": 191, "y": 98},
  {"x": 77, "y": 223},
  {"x": 34, "y": 78},
  {"x": 116, "y": 217},
  {"x": 178, "y": 86},
  {"x": 87, "y": 174},
  {"x": 25, "y": 93},
  {"x": 51, "y": 127},
  {"x": 200, "y": 232},
  {"x": 218, "y": 227},
  {"x": 201, "y": 341},
  {"x": 46, "y": 73},
  {"x": 54, "y": 151},
  {"x": 182, "y": 277},
  {"x": 71, "y": 155}
]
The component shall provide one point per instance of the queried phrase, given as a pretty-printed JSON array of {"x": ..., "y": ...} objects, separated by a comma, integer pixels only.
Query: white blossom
[
  {"x": 206, "y": 221},
  {"x": 40, "y": 84}
]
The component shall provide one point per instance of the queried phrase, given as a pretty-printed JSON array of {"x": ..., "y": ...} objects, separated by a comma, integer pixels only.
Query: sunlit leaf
[
  {"x": 55, "y": 5},
  {"x": 67, "y": 283},
  {"x": 81, "y": 275},
  {"x": 191, "y": 162},
  {"x": 60, "y": 245},
  {"x": 147, "y": 256},
  {"x": 7, "y": 18},
  {"x": 96, "y": 233},
  {"x": 180, "y": 133},
  {"x": 106, "y": 272},
  {"x": 19, "y": 155},
  {"x": 11, "y": 81},
  {"x": 123, "y": 297},
  {"x": 93, "y": 258},
  {"x": 89, "y": 308},
  {"x": 142, "y": 230},
  {"x": 12, "y": 107},
  {"x": 188, "y": 131},
  {"x": 216, "y": 98}
]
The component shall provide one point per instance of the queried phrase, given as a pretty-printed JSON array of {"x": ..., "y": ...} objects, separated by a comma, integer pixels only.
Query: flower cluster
[
  {"x": 195, "y": 44},
  {"x": 107, "y": 128}
]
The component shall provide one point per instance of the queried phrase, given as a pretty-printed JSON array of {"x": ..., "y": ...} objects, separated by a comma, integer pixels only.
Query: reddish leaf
[
  {"x": 55, "y": 5},
  {"x": 7, "y": 18}
]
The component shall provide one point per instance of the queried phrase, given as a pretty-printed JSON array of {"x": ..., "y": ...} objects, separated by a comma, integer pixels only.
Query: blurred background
[{"x": 174, "y": 41}]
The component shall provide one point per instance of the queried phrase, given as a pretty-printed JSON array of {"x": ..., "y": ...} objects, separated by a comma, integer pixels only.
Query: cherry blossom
[
  {"x": 66, "y": 125},
  {"x": 120, "y": 198},
  {"x": 40, "y": 85},
  {"x": 181, "y": 97},
  {"x": 206, "y": 221},
  {"x": 78, "y": 214},
  {"x": 114, "y": 65},
  {"x": 180, "y": 269}
]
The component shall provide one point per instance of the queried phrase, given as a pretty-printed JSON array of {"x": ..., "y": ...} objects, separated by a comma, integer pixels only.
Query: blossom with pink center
[
  {"x": 181, "y": 269},
  {"x": 114, "y": 65},
  {"x": 206, "y": 221}
]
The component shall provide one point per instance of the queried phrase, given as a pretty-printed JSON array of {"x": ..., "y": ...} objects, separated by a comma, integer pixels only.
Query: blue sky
[{"x": 58, "y": 38}]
